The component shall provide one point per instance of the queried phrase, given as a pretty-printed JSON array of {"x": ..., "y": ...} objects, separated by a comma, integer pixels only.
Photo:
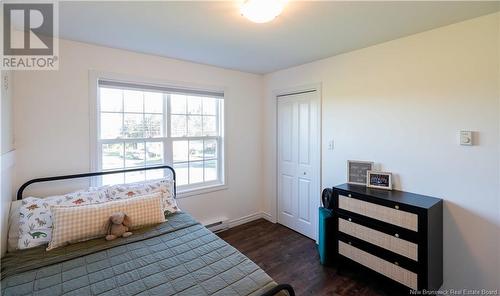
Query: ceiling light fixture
[{"x": 262, "y": 11}]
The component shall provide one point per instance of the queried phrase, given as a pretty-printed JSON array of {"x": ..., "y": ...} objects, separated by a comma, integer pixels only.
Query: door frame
[{"x": 317, "y": 87}]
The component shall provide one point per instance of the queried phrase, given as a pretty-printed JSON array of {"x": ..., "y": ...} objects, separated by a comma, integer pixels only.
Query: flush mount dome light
[{"x": 262, "y": 11}]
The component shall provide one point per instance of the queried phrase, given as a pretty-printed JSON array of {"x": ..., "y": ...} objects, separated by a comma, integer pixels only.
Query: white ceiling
[{"x": 214, "y": 33}]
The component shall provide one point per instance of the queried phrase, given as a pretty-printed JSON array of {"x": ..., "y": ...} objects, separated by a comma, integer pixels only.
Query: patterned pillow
[
  {"x": 165, "y": 186},
  {"x": 75, "y": 224},
  {"x": 35, "y": 217}
]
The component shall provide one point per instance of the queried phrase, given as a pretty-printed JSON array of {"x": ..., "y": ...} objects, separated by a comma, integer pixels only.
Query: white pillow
[
  {"x": 35, "y": 217},
  {"x": 76, "y": 224},
  {"x": 165, "y": 186}
]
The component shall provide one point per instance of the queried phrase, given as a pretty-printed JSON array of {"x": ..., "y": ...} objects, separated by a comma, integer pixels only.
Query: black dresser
[{"x": 394, "y": 233}]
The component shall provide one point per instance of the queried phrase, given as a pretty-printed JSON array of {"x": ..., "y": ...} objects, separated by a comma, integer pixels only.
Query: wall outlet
[{"x": 466, "y": 138}]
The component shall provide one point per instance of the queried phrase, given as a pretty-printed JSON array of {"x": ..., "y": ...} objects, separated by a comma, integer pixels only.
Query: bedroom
[{"x": 210, "y": 88}]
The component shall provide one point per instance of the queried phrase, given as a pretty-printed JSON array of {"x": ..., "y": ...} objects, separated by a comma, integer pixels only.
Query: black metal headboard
[{"x": 76, "y": 176}]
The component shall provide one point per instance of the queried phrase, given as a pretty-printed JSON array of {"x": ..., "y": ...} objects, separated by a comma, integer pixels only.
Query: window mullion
[
  {"x": 195, "y": 138},
  {"x": 129, "y": 140},
  {"x": 123, "y": 127},
  {"x": 144, "y": 135},
  {"x": 166, "y": 115},
  {"x": 203, "y": 158},
  {"x": 217, "y": 118},
  {"x": 145, "y": 154},
  {"x": 124, "y": 156},
  {"x": 123, "y": 113},
  {"x": 167, "y": 143},
  {"x": 189, "y": 164},
  {"x": 202, "y": 131}
]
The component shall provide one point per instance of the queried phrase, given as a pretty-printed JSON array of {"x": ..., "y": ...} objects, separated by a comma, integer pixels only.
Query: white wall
[
  {"x": 6, "y": 154},
  {"x": 402, "y": 104},
  {"x": 7, "y": 135},
  {"x": 51, "y": 113}
]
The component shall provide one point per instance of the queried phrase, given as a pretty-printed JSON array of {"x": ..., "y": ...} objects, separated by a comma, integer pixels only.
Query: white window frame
[{"x": 167, "y": 140}]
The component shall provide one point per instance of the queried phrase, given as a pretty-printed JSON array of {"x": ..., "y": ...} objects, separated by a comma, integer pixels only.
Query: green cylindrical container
[{"x": 326, "y": 239}]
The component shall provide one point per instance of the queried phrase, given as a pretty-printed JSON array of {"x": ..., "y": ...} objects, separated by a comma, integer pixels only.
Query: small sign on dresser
[{"x": 357, "y": 171}]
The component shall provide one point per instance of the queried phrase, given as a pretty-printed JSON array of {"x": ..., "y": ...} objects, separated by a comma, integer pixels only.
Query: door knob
[{"x": 304, "y": 173}]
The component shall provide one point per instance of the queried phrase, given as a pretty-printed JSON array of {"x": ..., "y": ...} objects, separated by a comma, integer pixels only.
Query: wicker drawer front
[
  {"x": 383, "y": 240},
  {"x": 379, "y": 265},
  {"x": 389, "y": 215}
]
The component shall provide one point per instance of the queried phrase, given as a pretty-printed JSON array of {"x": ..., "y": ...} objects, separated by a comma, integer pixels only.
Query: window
[{"x": 141, "y": 125}]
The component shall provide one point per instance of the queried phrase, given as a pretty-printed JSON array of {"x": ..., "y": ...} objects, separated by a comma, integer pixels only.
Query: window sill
[{"x": 183, "y": 193}]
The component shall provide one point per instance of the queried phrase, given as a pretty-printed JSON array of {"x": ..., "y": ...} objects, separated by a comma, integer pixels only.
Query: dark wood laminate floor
[{"x": 289, "y": 257}]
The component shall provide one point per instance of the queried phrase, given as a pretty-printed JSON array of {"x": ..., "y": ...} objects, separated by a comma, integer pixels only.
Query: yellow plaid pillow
[{"x": 81, "y": 223}]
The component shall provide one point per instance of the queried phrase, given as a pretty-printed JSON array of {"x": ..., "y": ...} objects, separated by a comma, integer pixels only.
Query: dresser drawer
[
  {"x": 390, "y": 270},
  {"x": 389, "y": 215},
  {"x": 383, "y": 240}
]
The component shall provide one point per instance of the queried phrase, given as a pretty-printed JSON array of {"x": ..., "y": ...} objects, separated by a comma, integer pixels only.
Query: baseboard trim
[
  {"x": 268, "y": 217},
  {"x": 245, "y": 219},
  {"x": 250, "y": 218}
]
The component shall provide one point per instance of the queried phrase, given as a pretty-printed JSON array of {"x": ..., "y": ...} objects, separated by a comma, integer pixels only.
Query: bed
[{"x": 178, "y": 257}]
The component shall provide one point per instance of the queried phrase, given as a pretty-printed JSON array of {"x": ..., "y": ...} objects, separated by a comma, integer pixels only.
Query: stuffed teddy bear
[{"x": 118, "y": 226}]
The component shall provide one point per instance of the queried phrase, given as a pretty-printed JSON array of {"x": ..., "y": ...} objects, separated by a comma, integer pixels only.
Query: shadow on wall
[
  {"x": 55, "y": 187},
  {"x": 467, "y": 237},
  {"x": 7, "y": 168}
]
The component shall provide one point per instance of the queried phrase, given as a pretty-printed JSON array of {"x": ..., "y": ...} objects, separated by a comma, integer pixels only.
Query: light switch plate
[
  {"x": 330, "y": 145},
  {"x": 466, "y": 138}
]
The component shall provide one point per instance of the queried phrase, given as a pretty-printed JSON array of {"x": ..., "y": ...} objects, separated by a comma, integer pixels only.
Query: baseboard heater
[{"x": 218, "y": 226}]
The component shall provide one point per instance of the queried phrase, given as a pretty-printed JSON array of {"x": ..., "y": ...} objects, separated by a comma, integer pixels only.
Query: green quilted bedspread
[{"x": 178, "y": 257}]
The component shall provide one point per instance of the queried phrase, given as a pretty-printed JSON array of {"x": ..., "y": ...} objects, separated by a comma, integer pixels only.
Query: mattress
[{"x": 178, "y": 257}]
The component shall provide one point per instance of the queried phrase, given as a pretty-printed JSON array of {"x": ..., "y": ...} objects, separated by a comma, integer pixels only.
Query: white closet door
[{"x": 299, "y": 162}]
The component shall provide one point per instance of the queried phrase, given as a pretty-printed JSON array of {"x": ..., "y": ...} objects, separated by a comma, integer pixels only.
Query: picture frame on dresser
[
  {"x": 357, "y": 171},
  {"x": 379, "y": 180}
]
